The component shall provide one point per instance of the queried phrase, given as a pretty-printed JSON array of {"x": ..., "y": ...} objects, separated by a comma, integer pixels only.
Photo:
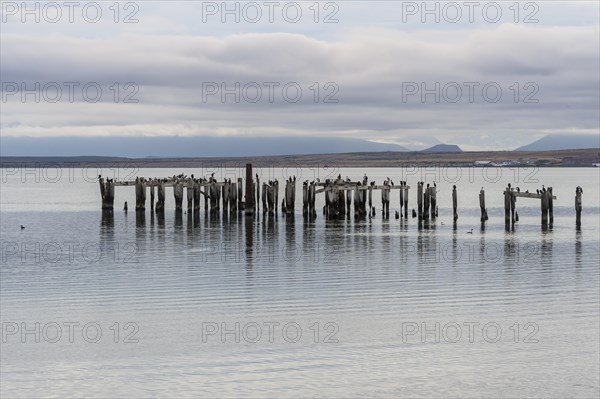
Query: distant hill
[
  {"x": 443, "y": 148},
  {"x": 186, "y": 147},
  {"x": 563, "y": 142},
  {"x": 417, "y": 143}
]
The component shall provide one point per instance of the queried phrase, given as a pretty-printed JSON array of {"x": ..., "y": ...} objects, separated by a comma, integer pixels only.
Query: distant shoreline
[{"x": 556, "y": 158}]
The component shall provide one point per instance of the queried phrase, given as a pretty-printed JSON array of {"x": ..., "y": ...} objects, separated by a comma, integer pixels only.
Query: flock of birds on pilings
[{"x": 342, "y": 196}]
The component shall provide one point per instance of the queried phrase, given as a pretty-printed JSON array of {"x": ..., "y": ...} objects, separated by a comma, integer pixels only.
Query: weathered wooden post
[
  {"x": 578, "y": 205},
  {"x": 551, "y": 205},
  {"x": 196, "y": 195},
  {"x": 107, "y": 193},
  {"x": 401, "y": 197},
  {"x": 214, "y": 195},
  {"x": 426, "y": 202},
  {"x": 484, "y": 215},
  {"x": 513, "y": 205},
  {"x": 206, "y": 191},
  {"x": 257, "y": 187},
  {"x": 226, "y": 191},
  {"x": 264, "y": 197},
  {"x": 311, "y": 199},
  {"x": 544, "y": 206},
  {"x": 370, "y": 199},
  {"x": 305, "y": 198},
  {"x": 420, "y": 200},
  {"x": 271, "y": 198},
  {"x": 433, "y": 201},
  {"x": 152, "y": 184},
  {"x": 160, "y": 204},
  {"x": 288, "y": 193},
  {"x": 140, "y": 194},
  {"x": 342, "y": 202},
  {"x": 178, "y": 194},
  {"x": 233, "y": 197},
  {"x": 249, "y": 200},
  {"x": 348, "y": 201},
  {"x": 454, "y": 203},
  {"x": 507, "y": 196},
  {"x": 240, "y": 194},
  {"x": 189, "y": 184},
  {"x": 405, "y": 189},
  {"x": 276, "y": 195}
]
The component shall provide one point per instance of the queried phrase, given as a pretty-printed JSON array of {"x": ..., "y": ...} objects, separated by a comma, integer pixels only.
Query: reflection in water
[
  {"x": 178, "y": 218},
  {"x": 578, "y": 247},
  {"x": 547, "y": 246},
  {"x": 160, "y": 217},
  {"x": 249, "y": 236}
]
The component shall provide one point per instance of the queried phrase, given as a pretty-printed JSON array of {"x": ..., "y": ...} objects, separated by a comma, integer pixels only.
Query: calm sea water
[{"x": 142, "y": 305}]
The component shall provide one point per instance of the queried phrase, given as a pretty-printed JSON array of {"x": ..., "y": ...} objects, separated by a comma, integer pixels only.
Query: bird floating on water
[
  {"x": 470, "y": 232},
  {"x": 22, "y": 227}
]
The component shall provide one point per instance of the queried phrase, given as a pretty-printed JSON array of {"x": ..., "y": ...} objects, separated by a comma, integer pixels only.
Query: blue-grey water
[{"x": 141, "y": 305}]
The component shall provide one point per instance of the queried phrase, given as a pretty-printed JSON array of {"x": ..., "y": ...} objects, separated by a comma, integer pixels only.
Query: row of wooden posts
[{"x": 338, "y": 193}]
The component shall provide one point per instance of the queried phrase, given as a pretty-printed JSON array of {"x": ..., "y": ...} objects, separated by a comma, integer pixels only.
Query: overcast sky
[{"x": 361, "y": 75}]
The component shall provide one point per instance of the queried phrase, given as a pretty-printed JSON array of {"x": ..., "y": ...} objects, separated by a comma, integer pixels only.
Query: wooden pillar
[
  {"x": 578, "y": 205},
  {"x": 290, "y": 196},
  {"x": 433, "y": 201},
  {"x": 240, "y": 193},
  {"x": 214, "y": 195},
  {"x": 484, "y": 215},
  {"x": 152, "y": 184},
  {"x": 178, "y": 194},
  {"x": 289, "y": 202},
  {"x": 264, "y": 197},
  {"x": 454, "y": 204},
  {"x": 257, "y": 187},
  {"x": 226, "y": 192},
  {"x": 348, "y": 201},
  {"x": 271, "y": 198},
  {"x": 160, "y": 204},
  {"x": 276, "y": 194},
  {"x": 233, "y": 196},
  {"x": 370, "y": 199},
  {"x": 196, "y": 195},
  {"x": 544, "y": 206},
  {"x": 249, "y": 200},
  {"x": 305, "y": 198},
  {"x": 342, "y": 202},
  {"x": 311, "y": 200},
  {"x": 550, "y": 205},
  {"x": 190, "y": 194},
  {"x": 107, "y": 193},
  {"x": 420, "y": 200},
  {"x": 401, "y": 197},
  {"x": 140, "y": 194},
  {"x": 513, "y": 205},
  {"x": 405, "y": 189},
  {"x": 206, "y": 191}
]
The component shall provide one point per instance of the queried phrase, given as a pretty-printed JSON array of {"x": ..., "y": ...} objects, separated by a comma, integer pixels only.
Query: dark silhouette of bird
[
  {"x": 470, "y": 232},
  {"x": 22, "y": 227},
  {"x": 537, "y": 191},
  {"x": 518, "y": 190},
  {"x": 414, "y": 213}
]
